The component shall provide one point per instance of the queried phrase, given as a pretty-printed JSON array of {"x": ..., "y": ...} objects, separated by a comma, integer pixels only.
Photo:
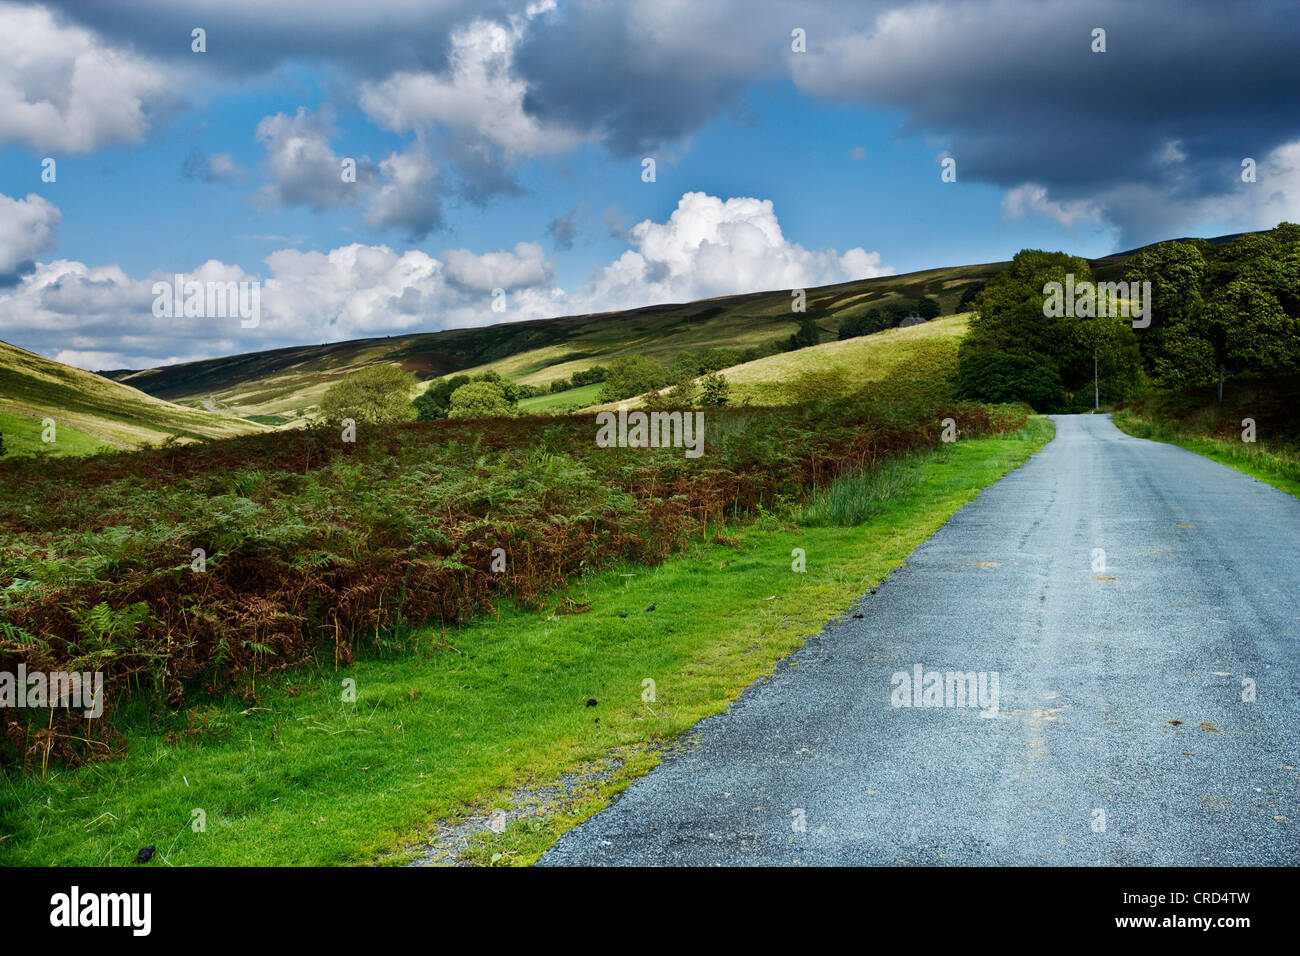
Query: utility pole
[{"x": 1096, "y": 390}]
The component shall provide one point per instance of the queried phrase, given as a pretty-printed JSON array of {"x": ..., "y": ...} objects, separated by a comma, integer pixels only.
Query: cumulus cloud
[
  {"x": 710, "y": 247},
  {"x": 406, "y": 195},
  {"x": 26, "y": 231},
  {"x": 103, "y": 318},
  {"x": 1018, "y": 93},
  {"x": 63, "y": 88},
  {"x": 707, "y": 247},
  {"x": 526, "y": 266},
  {"x": 303, "y": 166},
  {"x": 476, "y": 105}
]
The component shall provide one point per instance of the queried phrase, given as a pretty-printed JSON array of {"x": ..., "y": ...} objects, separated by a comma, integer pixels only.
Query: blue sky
[{"x": 500, "y": 146}]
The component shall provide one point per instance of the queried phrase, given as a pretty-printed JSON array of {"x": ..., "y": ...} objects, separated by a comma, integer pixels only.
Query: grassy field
[
  {"x": 22, "y": 436},
  {"x": 464, "y": 719},
  {"x": 920, "y": 357},
  {"x": 559, "y": 402},
  {"x": 91, "y": 413}
]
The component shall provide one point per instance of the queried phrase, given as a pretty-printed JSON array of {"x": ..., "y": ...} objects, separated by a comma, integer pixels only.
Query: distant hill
[
  {"x": 90, "y": 413},
  {"x": 281, "y": 385}
]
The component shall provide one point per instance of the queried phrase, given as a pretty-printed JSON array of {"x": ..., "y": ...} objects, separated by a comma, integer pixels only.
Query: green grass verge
[
  {"x": 1275, "y": 464},
  {"x": 453, "y": 724}
]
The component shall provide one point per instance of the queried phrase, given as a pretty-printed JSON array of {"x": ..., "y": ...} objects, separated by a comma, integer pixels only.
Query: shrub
[
  {"x": 714, "y": 390},
  {"x": 481, "y": 399},
  {"x": 380, "y": 394}
]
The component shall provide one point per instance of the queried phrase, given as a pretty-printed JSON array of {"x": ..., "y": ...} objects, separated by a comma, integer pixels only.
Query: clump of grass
[{"x": 855, "y": 498}]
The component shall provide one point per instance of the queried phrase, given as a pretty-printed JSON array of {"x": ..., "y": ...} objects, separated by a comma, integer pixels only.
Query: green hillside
[
  {"x": 281, "y": 386},
  {"x": 90, "y": 413},
  {"x": 920, "y": 356},
  {"x": 286, "y": 383}
]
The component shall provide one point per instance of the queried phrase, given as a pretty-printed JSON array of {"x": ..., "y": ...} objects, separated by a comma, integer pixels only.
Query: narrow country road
[{"x": 1121, "y": 735}]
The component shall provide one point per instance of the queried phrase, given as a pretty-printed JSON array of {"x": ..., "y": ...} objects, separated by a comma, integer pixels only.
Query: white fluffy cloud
[
  {"x": 303, "y": 166},
  {"x": 26, "y": 231},
  {"x": 478, "y": 97},
  {"x": 710, "y": 247},
  {"x": 526, "y": 266},
  {"x": 64, "y": 88},
  {"x": 102, "y": 318}
]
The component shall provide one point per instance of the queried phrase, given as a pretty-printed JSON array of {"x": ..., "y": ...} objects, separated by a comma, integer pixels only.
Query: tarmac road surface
[{"x": 1120, "y": 736}]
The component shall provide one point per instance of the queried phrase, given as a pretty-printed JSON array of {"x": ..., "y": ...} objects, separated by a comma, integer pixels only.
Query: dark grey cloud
[
  {"x": 256, "y": 36},
  {"x": 1161, "y": 119}
]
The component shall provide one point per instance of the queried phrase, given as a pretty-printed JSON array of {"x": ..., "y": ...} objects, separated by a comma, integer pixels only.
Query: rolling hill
[
  {"x": 281, "y": 385},
  {"x": 91, "y": 413}
]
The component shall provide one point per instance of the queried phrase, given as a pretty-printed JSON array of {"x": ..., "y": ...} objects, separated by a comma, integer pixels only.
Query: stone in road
[{"x": 1121, "y": 737}]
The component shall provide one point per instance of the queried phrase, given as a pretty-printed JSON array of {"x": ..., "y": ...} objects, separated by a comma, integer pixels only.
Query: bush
[
  {"x": 380, "y": 394},
  {"x": 433, "y": 403},
  {"x": 481, "y": 399},
  {"x": 714, "y": 390}
]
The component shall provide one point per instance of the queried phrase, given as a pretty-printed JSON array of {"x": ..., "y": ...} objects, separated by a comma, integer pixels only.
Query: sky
[{"x": 501, "y": 152}]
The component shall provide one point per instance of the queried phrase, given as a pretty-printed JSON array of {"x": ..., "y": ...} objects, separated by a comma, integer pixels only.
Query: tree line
[{"x": 1216, "y": 313}]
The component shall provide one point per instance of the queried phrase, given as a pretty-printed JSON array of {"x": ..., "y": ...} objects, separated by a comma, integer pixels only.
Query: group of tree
[
  {"x": 466, "y": 396},
  {"x": 1215, "y": 313},
  {"x": 590, "y": 376},
  {"x": 888, "y": 316}
]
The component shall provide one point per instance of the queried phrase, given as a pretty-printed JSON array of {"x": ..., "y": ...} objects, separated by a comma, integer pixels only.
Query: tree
[
  {"x": 508, "y": 388},
  {"x": 928, "y": 308},
  {"x": 434, "y": 402},
  {"x": 1002, "y": 377},
  {"x": 969, "y": 296},
  {"x": 1247, "y": 329},
  {"x": 809, "y": 334},
  {"x": 715, "y": 390},
  {"x": 480, "y": 399},
  {"x": 1176, "y": 271},
  {"x": 1053, "y": 353},
  {"x": 379, "y": 394},
  {"x": 632, "y": 375}
]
